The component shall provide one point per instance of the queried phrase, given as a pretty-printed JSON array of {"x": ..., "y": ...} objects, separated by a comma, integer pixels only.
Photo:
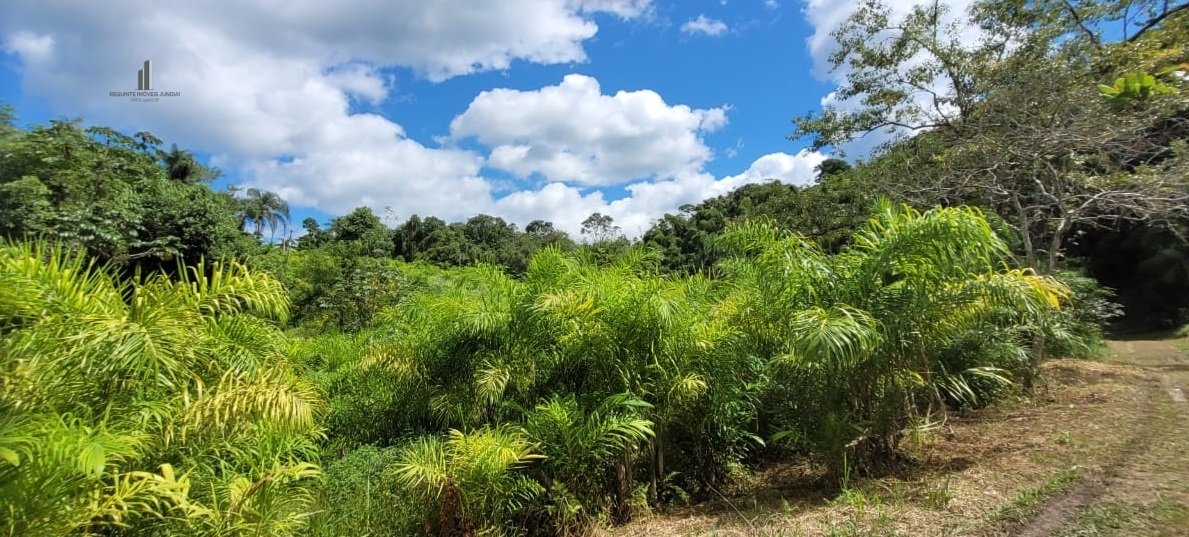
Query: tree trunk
[
  {"x": 652, "y": 474},
  {"x": 450, "y": 519},
  {"x": 1055, "y": 245},
  {"x": 1038, "y": 351},
  {"x": 660, "y": 453},
  {"x": 1025, "y": 233},
  {"x": 621, "y": 512}
]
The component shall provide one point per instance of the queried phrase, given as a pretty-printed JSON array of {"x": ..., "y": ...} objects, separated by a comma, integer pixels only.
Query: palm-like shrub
[
  {"x": 370, "y": 401},
  {"x": 469, "y": 482},
  {"x": 487, "y": 346},
  {"x": 632, "y": 378},
  {"x": 588, "y": 455},
  {"x": 623, "y": 328},
  {"x": 853, "y": 339},
  {"x": 160, "y": 405},
  {"x": 1077, "y": 329}
]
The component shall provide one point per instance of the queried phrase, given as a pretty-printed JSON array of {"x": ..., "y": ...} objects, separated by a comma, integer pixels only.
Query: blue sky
[{"x": 524, "y": 109}]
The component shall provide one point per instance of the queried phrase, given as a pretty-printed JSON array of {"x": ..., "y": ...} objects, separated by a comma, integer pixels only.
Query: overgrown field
[{"x": 575, "y": 397}]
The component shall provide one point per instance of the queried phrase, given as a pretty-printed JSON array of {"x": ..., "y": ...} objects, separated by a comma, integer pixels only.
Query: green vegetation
[
  {"x": 120, "y": 198},
  {"x": 1026, "y": 503},
  {"x": 173, "y": 362},
  {"x": 569, "y": 396},
  {"x": 164, "y": 405},
  {"x": 1128, "y": 519}
]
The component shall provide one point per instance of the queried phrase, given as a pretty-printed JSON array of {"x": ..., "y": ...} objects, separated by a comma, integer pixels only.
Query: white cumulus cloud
[
  {"x": 795, "y": 169},
  {"x": 266, "y": 86},
  {"x": 647, "y": 201},
  {"x": 360, "y": 80},
  {"x": 704, "y": 25},
  {"x": 31, "y": 47},
  {"x": 623, "y": 8},
  {"x": 574, "y": 133}
]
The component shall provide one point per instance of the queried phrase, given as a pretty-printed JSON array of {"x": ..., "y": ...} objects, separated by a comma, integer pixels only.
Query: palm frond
[
  {"x": 836, "y": 335},
  {"x": 229, "y": 287},
  {"x": 272, "y": 396}
]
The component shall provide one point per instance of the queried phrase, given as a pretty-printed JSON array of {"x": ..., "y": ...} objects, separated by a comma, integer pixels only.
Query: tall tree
[
  {"x": 364, "y": 232},
  {"x": 97, "y": 189},
  {"x": 263, "y": 208},
  {"x": 830, "y": 167},
  {"x": 600, "y": 227},
  {"x": 930, "y": 69},
  {"x": 1013, "y": 120},
  {"x": 180, "y": 165},
  {"x": 314, "y": 235}
]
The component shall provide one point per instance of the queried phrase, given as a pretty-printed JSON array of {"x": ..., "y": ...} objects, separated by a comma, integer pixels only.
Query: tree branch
[
  {"x": 1155, "y": 21},
  {"x": 1082, "y": 24}
]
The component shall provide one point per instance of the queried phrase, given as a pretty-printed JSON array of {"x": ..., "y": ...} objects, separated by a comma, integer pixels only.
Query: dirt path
[
  {"x": 1164, "y": 359},
  {"x": 1151, "y": 472}
]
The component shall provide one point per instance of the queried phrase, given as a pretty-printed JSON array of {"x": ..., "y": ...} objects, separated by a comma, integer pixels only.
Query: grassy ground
[
  {"x": 1148, "y": 493},
  {"x": 1101, "y": 449}
]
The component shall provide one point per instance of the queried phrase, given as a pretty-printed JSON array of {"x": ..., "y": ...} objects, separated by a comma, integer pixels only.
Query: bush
[
  {"x": 360, "y": 497},
  {"x": 973, "y": 366},
  {"x": 468, "y": 483},
  {"x": 1076, "y": 330}
]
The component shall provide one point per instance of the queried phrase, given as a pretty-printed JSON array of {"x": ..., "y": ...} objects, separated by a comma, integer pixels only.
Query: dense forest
[{"x": 176, "y": 360}]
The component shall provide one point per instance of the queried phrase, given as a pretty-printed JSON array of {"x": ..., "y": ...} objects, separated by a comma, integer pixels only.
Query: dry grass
[
  {"x": 1076, "y": 453},
  {"x": 1147, "y": 493}
]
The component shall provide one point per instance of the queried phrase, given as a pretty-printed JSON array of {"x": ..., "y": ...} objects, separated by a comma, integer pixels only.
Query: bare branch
[
  {"x": 1077, "y": 18},
  {"x": 1157, "y": 20}
]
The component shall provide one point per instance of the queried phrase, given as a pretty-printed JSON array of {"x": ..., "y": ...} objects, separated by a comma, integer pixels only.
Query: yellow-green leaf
[{"x": 10, "y": 456}]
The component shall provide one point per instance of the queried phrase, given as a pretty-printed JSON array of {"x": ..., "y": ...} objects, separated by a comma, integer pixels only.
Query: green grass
[
  {"x": 1097, "y": 520},
  {"x": 1063, "y": 438},
  {"x": 938, "y": 497},
  {"x": 856, "y": 499},
  {"x": 857, "y": 525},
  {"x": 1028, "y": 501},
  {"x": 1128, "y": 519}
]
